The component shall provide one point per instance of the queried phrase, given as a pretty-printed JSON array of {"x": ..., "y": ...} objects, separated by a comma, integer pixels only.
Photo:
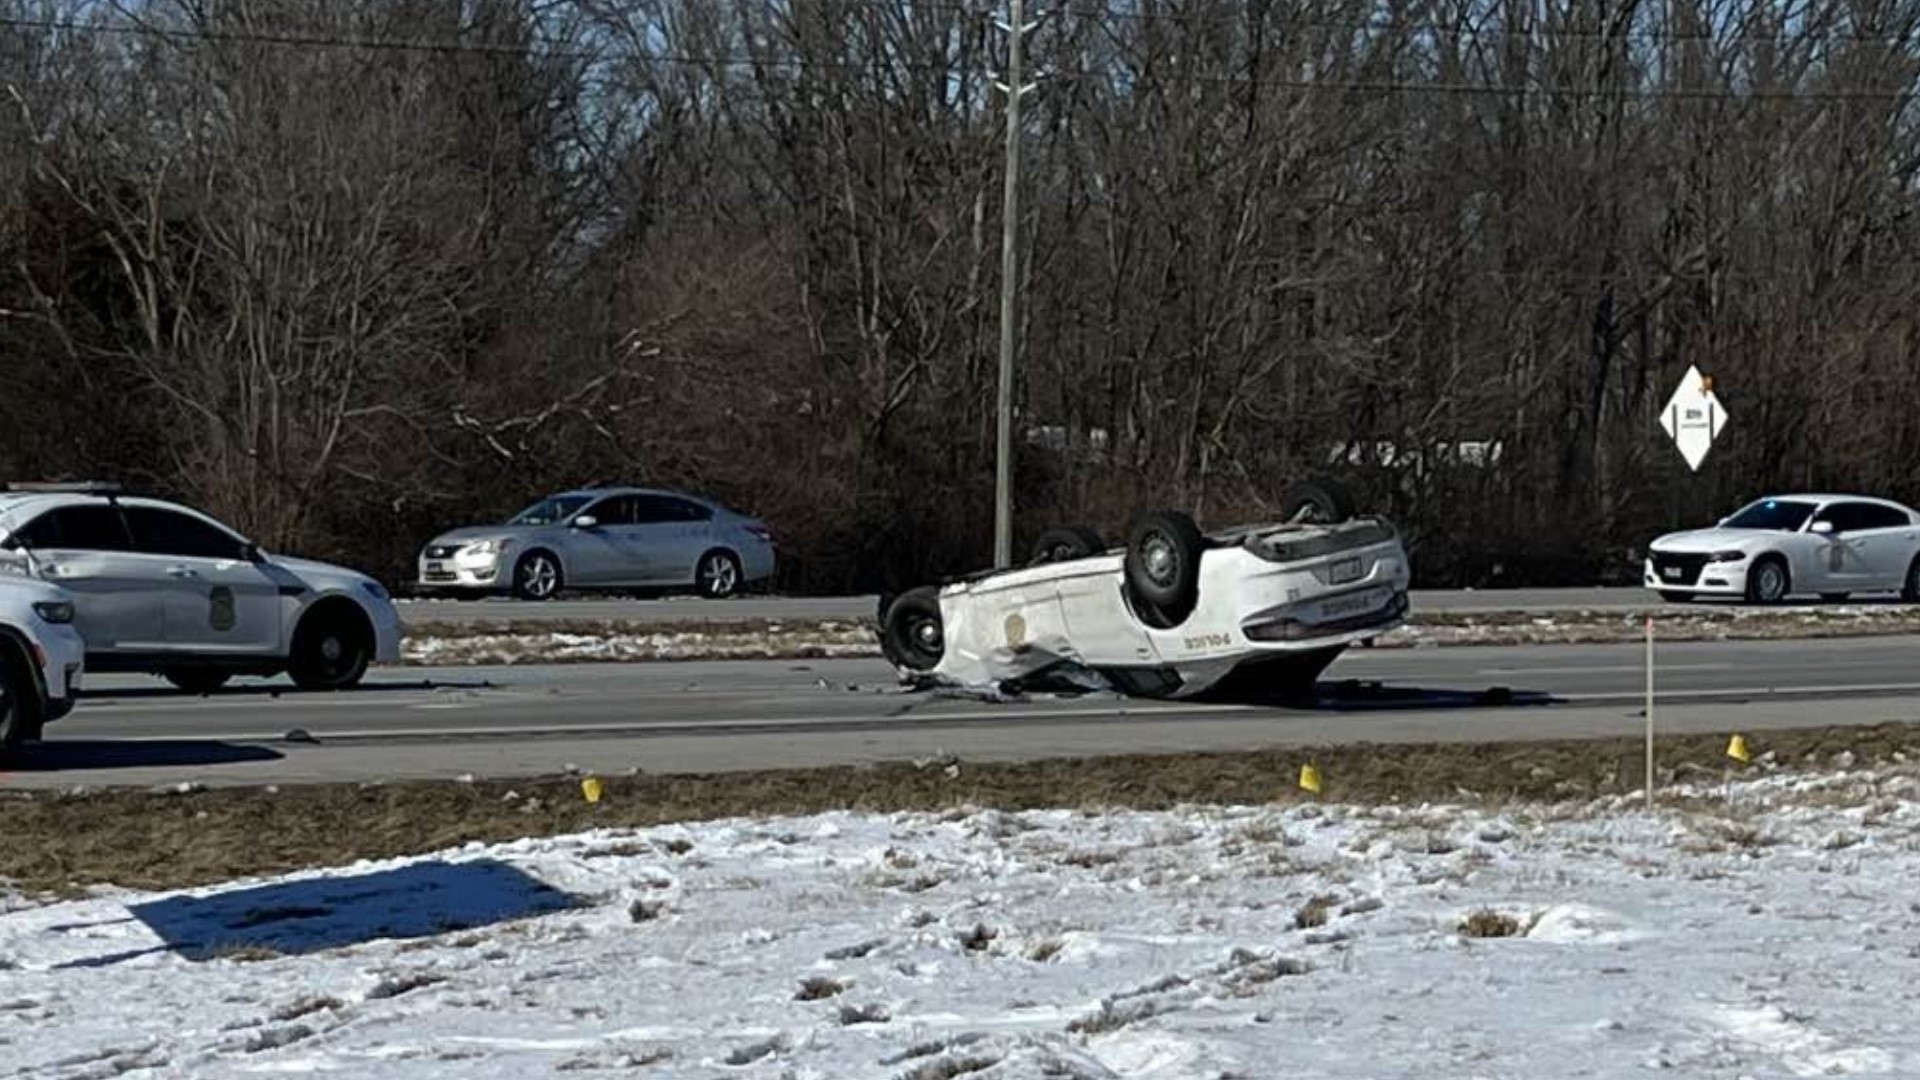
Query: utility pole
[{"x": 1009, "y": 262}]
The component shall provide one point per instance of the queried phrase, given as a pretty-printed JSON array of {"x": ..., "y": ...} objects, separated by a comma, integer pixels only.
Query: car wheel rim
[
  {"x": 540, "y": 577},
  {"x": 331, "y": 649},
  {"x": 1160, "y": 561},
  {"x": 925, "y": 634},
  {"x": 719, "y": 577},
  {"x": 1770, "y": 583}
]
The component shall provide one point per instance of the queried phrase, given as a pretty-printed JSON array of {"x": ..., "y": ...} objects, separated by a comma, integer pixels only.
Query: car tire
[
  {"x": 22, "y": 707},
  {"x": 1163, "y": 568},
  {"x": 717, "y": 574},
  {"x": 197, "y": 680},
  {"x": 537, "y": 576},
  {"x": 912, "y": 634},
  {"x": 1319, "y": 502},
  {"x": 1769, "y": 582},
  {"x": 1910, "y": 589},
  {"x": 332, "y": 649},
  {"x": 1065, "y": 543}
]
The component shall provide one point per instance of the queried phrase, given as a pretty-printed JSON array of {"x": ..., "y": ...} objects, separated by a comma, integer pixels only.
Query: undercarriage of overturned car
[{"x": 1254, "y": 610}]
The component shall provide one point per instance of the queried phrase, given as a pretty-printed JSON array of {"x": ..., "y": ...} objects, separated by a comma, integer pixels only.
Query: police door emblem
[{"x": 1016, "y": 628}]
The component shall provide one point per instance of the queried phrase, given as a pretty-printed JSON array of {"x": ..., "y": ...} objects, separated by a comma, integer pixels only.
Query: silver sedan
[{"x": 603, "y": 538}]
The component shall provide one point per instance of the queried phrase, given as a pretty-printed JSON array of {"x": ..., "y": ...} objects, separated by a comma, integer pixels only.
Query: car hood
[
  {"x": 1708, "y": 541},
  {"x": 472, "y": 533},
  {"x": 320, "y": 575},
  {"x": 19, "y": 587}
]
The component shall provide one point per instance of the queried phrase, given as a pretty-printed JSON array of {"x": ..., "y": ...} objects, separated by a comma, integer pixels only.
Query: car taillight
[{"x": 762, "y": 532}]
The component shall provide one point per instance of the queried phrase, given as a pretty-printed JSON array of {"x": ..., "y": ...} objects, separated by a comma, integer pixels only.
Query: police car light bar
[{"x": 78, "y": 487}]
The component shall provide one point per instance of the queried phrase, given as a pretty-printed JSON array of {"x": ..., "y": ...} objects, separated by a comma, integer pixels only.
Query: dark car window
[
  {"x": 616, "y": 510},
  {"x": 1851, "y": 517},
  {"x": 168, "y": 532},
  {"x": 78, "y": 528},
  {"x": 666, "y": 510},
  {"x": 550, "y": 511},
  {"x": 1781, "y": 515},
  {"x": 690, "y": 511}
]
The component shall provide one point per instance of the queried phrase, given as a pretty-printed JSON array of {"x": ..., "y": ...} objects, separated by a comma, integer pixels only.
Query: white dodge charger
[
  {"x": 1832, "y": 546},
  {"x": 1172, "y": 613}
]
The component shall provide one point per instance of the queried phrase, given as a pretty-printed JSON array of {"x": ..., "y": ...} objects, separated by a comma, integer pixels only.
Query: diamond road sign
[{"x": 1693, "y": 417}]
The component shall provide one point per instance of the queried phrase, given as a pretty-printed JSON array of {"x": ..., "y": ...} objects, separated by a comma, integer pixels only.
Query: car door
[
  {"x": 679, "y": 531},
  {"x": 87, "y": 550},
  {"x": 606, "y": 554},
  {"x": 1884, "y": 539},
  {"x": 216, "y": 600},
  {"x": 1838, "y": 562}
]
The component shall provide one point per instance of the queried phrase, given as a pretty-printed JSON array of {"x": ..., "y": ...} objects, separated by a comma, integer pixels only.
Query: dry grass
[
  {"x": 1489, "y": 924},
  {"x": 1041, "y": 952},
  {"x": 1314, "y": 912},
  {"x": 306, "y": 1006},
  {"x": 59, "y": 842},
  {"x": 819, "y": 988}
]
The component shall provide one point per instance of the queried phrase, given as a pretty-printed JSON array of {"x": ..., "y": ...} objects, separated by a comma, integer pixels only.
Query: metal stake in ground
[{"x": 1649, "y": 711}]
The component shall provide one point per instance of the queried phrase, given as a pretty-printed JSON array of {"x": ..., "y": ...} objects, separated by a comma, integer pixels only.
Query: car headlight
[
  {"x": 58, "y": 612},
  {"x": 487, "y": 547},
  {"x": 1726, "y": 556}
]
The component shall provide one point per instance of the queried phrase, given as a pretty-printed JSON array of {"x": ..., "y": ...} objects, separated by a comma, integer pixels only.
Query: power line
[{"x": 1118, "y": 74}]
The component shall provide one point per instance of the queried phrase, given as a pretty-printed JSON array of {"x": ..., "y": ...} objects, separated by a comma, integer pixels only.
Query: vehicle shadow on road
[
  {"x": 276, "y": 690},
  {"x": 1356, "y": 696},
  {"x": 73, "y": 755}
]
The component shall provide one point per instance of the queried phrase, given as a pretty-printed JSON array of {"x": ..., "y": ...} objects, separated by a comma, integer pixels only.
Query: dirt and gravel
[
  {"x": 62, "y": 842},
  {"x": 510, "y": 641}
]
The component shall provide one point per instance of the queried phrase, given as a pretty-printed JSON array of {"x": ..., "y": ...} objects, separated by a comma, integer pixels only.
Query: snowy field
[{"x": 1773, "y": 935}]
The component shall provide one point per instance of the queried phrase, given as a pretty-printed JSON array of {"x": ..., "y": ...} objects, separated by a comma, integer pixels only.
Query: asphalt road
[
  {"x": 415, "y": 612},
  {"x": 726, "y": 715}
]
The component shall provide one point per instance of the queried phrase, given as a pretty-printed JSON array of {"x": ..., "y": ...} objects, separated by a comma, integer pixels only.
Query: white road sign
[{"x": 1693, "y": 417}]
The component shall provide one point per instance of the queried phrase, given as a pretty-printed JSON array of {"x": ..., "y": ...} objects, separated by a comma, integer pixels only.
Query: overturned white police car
[{"x": 1176, "y": 613}]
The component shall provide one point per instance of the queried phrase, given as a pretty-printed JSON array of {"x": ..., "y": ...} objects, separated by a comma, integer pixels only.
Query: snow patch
[{"x": 1160, "y": 945}]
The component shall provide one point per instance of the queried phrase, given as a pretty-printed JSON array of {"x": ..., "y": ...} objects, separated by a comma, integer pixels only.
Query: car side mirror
[
  {"x": 251, "y": 552},
  {"x": 1824, "y": 528},
  {"x": 586, "y": 521}
]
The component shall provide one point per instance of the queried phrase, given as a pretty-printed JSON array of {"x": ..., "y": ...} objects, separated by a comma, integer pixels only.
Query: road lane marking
[{"x": 738, "y": 725}]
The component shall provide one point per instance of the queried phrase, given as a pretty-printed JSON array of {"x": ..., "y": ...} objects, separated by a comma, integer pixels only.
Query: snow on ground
[
  {"x": 1774, "y": 937},
  {"x": 810, "y": 639},
  {"x": 828, "y": 640}
]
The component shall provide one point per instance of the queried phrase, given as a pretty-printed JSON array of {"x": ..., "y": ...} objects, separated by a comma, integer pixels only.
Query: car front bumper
[
  {"x": 63, "y": 660},
  {"x": 387, "y": 632},
  {"x": 463, "y": 570},
  {"x": 1693, "y": 575}
]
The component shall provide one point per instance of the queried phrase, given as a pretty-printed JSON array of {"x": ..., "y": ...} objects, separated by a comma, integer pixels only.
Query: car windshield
[
  {"x": 550, "y": 511},
  {"x": 1779, "y": 515}
]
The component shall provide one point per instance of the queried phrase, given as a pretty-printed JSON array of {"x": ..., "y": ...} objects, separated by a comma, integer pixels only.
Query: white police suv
[
  {"x": 41, "y": 657},
  {"x": 163, "y": 589}
]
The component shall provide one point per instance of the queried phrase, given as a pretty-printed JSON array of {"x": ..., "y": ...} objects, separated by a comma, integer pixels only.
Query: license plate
[
  {"x": 1345, "y": 570},
  {"x": 436, "y": 568},
  {"x": 1672, "y": 572}
]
